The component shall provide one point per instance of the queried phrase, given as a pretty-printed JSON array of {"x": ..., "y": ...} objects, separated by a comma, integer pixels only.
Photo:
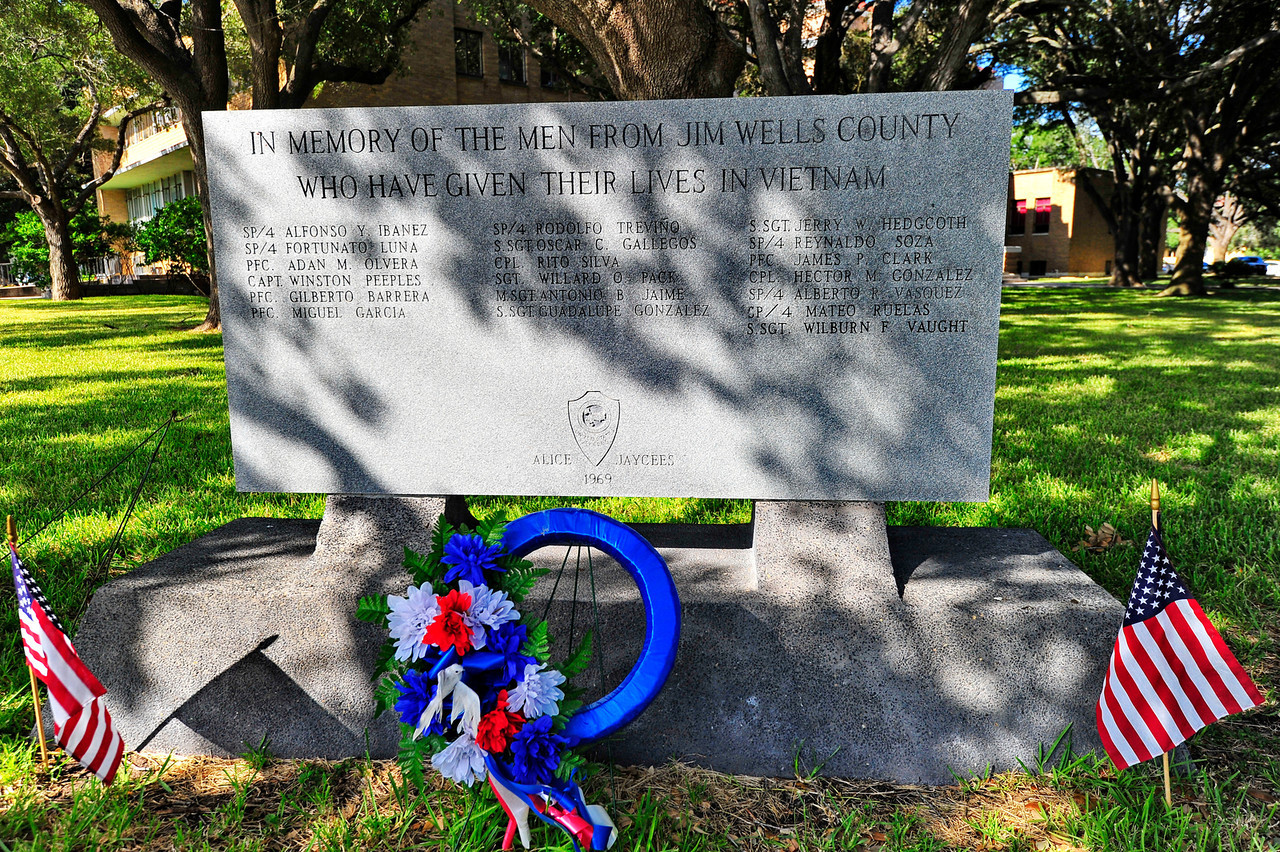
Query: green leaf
[
  {"x": 385, "y": 694},
  {"x": 569, "y": 761},
  {"x": 422, "y": 569},
  {"x": 373, "y": 609},
  {"x": 537, "y": 643},
  {"x": 492, "y": 529},
  {"x": 579, "y": 659},
  {"x": 439, "y": 538},
  {"x": 520, "y": 579},
  {"x": 410, "y": 758},
  {"x": 386, "y": 662},
  {"x": 415, "y": 754}
]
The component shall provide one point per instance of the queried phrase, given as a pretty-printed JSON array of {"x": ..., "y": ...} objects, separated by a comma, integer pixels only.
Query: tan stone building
[
  {"x": 453, "y": 60},
  {"x": 1054, "y": 227}
]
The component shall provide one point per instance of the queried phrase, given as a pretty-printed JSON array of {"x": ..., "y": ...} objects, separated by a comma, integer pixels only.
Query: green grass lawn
[{"x": 1098, "y": 391}]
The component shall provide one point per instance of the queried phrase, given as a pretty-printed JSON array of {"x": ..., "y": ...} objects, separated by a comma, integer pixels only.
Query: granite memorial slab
[
  {"x": 791, "y": 300},
  {"x": 765, "y": 298}
]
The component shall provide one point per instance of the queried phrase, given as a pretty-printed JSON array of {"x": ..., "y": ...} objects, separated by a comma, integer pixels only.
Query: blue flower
[
  {"x": 537, "y": 693},
  {"x": 469, "y": 557},
  {"x": 416, "y": 692},
  {"x": 507, "y": 642},
  {"x": 536, "y": 752}
]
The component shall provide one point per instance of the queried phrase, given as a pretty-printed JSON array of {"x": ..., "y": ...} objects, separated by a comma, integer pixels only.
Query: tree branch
[
  {"x": 1230, "y": 58},
  {"x": 88, "y": 189}
]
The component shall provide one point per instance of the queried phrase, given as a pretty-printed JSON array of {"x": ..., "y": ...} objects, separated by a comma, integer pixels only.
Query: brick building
[
  {"x": 1054, "y": 226},
  {"x": 452, "y": 60}
]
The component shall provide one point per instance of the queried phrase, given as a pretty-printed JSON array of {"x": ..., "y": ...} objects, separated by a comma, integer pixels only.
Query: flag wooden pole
[
  {"x": 1155, "y": 525},
  {"x": 11, "y": 531}
]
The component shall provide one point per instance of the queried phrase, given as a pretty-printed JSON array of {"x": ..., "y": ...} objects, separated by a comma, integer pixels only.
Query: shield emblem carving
[{"x": 593, "y": 417}]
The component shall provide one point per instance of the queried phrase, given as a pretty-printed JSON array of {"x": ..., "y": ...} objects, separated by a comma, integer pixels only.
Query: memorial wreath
[{"x": 472, "y": 681}]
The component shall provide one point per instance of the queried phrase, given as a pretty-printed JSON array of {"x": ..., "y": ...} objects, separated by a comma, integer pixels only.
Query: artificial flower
[
  {"x": 536, "y": 752},
  {"x": 469, "y": 557},
  {"x": 462, "y": 761},
  {"x": 408, "y": 621},
  {"x": 497, "y": 728},
  {"x": 416, "y": 693},
  {"x": 489, "y": 607},
  {"x": 508, "y": 641},
  {"x": 450, "y": 629},
  {"x": 537, "y": 693}
]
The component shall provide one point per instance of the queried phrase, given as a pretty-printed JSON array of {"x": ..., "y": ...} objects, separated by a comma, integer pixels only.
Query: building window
[
  {"x": 142, "y": 202},
  {"x": 511, "y": 64},
  {"x": 150, "y": 123},
  {"x": 1039, "y": 268},
  {"x": 466, "y": 49},
  {"x": 1018, "y": 216},
  {"x": 549, "y": 79},
  {"x": 1043, "y": 206}
]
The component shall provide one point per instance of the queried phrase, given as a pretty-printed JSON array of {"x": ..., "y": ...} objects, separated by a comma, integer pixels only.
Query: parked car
[
  {"x": 1249, "y": 264},
  {"x": 1273, "y": 268}
]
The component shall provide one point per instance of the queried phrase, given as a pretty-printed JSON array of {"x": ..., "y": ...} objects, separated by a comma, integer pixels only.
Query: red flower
[
  {"x": 449, "y": 630},
  {"x": 497, "y": 727}
]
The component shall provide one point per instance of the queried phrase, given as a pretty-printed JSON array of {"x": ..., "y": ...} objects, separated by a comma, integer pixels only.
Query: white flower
[
  {"x": 409, "y": 619},
  {"x": 489, "y": 607},
  {"x": 462, "y": 761},
  {"x": 537, "y": 692}
]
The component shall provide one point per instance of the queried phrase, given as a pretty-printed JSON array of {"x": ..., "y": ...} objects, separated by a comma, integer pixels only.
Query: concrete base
[{"x": 811, "y": 640}]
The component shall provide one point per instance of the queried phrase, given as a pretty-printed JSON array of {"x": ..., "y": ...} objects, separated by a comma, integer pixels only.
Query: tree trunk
[
  {"x": 1197, "y": 211},
  {"x": 195, "y": 137},
  {"x": 765, "y": 34},
  {"x": 1124, "y": 271},
  {"x": 64, "y": 273},
  {"x": 653, "y": 50},
  {"x": 879, "y": 74},
  {"x": 962, "y": 30},
  {"x": 1228, "y": 215},
  {"x": 827, "y": 77},
  {"x": 1155, "y": 214}
]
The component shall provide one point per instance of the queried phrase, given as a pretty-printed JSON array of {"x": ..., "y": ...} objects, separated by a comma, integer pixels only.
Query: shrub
[{"x": 175, "y": 234}]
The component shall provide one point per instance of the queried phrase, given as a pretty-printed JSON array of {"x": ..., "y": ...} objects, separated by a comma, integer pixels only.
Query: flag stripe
[
  {"x": 1108, "y": 724},
  {"x": 1134, "y": 702},
  {"x": 1141, "y": 746},
  {"x": 1225, "y": 662},
  {"x": 106, "y": 744},
  {"x": 84, "y": 726},
  {"x": 1154, "y": 688},
  {"x": 113, "y": 755},
  {"x": 1169, "y": 661},
  {"x": 66, "y": 691},
  {"x": 1196, "y": 640}
]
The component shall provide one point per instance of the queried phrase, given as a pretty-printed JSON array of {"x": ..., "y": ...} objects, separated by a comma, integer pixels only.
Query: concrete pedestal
[{"x": 812, "y": 639}]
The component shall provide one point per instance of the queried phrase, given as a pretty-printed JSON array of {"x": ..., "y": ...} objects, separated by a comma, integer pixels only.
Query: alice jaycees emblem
[{"x": 593, "y": 417}]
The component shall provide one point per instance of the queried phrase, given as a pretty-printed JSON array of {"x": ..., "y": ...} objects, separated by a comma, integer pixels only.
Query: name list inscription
[{"x": 574, "y": 241}]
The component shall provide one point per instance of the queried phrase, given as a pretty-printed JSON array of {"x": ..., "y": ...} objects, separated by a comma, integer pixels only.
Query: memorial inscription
[{"x": 781, "y": 299}]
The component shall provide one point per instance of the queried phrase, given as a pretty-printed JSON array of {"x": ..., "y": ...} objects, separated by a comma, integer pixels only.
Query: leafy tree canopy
[{"x": 23, "y": 239}]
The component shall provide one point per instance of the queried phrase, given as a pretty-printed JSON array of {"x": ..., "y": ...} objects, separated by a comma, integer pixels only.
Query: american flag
[
  {"x": 1171, "y": 674},
  {"x": 81, "y": 723}
]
